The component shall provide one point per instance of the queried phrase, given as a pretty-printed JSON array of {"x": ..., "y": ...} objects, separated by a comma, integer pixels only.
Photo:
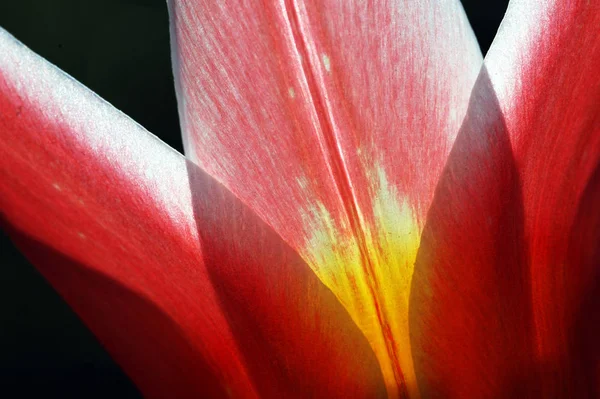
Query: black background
[{"x": 119, "y": 49}]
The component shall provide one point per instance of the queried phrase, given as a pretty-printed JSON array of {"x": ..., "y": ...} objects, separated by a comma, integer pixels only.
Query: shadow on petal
[
  {"x": 470, "y": 313},
  {"x": 140, "y": 336},
  {"x": 576, "y": 374},
  {"x": 295, "y": 338},
  {"x": 584, "y": 251}
]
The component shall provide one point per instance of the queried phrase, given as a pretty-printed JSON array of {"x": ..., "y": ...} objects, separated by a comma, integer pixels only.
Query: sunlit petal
[
  {"x": 191, "y": 293},
  {"x": 505, "y": 290},
  {"x": 333, "y": 120}
]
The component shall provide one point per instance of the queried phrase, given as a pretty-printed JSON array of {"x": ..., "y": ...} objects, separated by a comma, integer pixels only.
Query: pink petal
[
  {"x": 333, "y": 120},
  {"x": 505, "y": 289},
  {"x": 188, "y": 290}
]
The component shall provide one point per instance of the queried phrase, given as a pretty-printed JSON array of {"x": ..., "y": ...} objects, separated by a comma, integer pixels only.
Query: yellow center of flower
[{"x": 374, "y": 286}]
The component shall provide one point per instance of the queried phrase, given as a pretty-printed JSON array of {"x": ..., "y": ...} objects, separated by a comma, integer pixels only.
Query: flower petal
[
  {"x": 508, "y": 270},
  {"x": 187, "y": 288},
  {"x": 333, "y": 120}
]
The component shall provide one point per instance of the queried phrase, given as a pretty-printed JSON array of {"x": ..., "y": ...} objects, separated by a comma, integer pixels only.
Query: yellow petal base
[{"x": 372, "y": 277}]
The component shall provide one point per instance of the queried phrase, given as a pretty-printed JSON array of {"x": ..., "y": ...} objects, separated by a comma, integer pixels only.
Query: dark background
[{"x": 119, "y": 49}]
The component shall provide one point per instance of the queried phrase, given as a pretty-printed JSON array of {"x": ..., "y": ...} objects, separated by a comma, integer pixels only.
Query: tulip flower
[{"x": 367, "y": 208}]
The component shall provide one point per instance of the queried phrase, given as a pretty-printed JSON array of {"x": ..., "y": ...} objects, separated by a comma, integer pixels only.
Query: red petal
[
  {"x": 342, "y": 115},
  {"x": 505, "y": 289},
  {"x": 189, "y": 291}
]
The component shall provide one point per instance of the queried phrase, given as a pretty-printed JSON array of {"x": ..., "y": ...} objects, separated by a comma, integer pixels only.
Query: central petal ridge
[{"x": 367, "y": 261}]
